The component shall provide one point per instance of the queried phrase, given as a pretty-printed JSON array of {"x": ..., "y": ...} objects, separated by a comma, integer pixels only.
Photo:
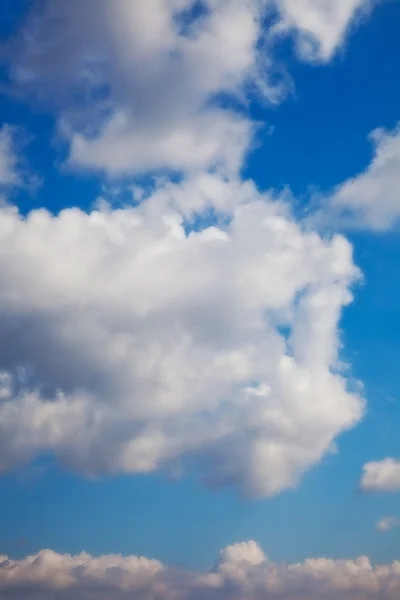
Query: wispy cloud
[
  {"x": 9, "y": 161},
  {"x": 388, "y": 523}
]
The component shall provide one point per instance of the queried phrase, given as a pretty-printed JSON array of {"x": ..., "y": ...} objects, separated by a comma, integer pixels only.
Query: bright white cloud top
[{"x": 243, "y": 571}]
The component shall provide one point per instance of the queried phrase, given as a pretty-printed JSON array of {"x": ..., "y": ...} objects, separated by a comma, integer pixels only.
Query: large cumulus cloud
[{"x": 130, "y": 345}]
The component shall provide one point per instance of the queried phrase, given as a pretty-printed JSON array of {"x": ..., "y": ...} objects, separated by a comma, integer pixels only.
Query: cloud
[
  {"x": 147, "y": 76},
  {"x": 5, "y": 385},
  {"x": 132, "y": 346},
  {"x": 215, "y": 138},
  {"x": 371, "y": 200},
  {"x": 388, "y": 523},
  {"x": 9, "y": 163},
  {"x": 243, "y": 571},
  {"x": 149, "y": 86},
  {"x": 320, "y": 25},
  {"x": 383, "y": 476}
]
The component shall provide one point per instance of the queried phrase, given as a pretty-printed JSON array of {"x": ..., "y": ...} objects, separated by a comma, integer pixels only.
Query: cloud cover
[{"x": 242, "y": 571}]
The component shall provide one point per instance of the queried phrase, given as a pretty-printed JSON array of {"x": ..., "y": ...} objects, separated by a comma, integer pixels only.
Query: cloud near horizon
[{"x": 242, "y": 572}]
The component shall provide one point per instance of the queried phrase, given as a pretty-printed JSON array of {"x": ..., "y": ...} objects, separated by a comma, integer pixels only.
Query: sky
[{"x": 200, "y": 332}]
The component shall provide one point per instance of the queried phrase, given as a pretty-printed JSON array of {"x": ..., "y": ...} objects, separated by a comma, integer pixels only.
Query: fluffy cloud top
[
  {"x": 132, "y": 346},
  {"x": 243, "y": 571},
  {"x": 383, "y": 476},
  {"x": 372, "y": 199},
  {"x": 140, "y": 84}
]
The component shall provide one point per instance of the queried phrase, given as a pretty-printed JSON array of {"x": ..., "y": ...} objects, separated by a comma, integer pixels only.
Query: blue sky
[{"x": 133, "y": 419}]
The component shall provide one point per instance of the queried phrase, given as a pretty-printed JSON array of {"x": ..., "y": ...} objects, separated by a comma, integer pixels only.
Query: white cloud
[
  {"x": 388, "y": 523},
  {"x": 8, "y": 157},
  {"x": 214, "y": 138},
  {"x": 372, "y": 199},
  {"x": 381, "y": 476},
  {"x": 243, "y": 572},
  {"x": 138, "y": 82},
  {"x": 321, "y": 26},
  {"x": 133, "y": 347},
  {"x": 147, "y": 75}
]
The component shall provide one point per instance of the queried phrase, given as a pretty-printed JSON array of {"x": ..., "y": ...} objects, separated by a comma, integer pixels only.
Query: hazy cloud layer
[
  {"x": 242, "y": 572},
  {"x": 9, "y": 163},
  {"x": 388, "y": 523}
]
